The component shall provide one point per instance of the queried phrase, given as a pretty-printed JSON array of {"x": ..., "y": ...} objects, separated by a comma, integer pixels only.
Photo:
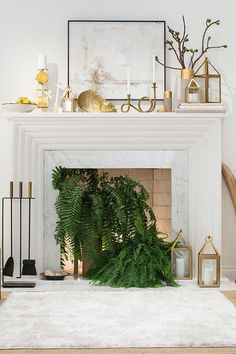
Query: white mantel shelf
[
  {"x": 199, "y": 134},
  {"x": 118, "y": 115}
]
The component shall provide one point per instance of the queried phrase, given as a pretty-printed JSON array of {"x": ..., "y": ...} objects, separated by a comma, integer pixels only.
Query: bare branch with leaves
[{"x": 178, "y": 44}]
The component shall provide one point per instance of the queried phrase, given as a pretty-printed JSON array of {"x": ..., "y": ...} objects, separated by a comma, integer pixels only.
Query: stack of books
[{"x": 201, "y": 108}]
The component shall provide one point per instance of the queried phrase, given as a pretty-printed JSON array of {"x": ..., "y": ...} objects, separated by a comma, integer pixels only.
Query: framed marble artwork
[{"x": 99, "y": 53}]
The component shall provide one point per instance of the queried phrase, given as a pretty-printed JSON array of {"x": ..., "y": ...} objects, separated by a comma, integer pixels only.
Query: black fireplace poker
[{"x": 5, "y": 204}]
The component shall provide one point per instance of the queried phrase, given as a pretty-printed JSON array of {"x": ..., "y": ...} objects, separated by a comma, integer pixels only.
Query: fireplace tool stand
[{"x": 5, "y": 203}]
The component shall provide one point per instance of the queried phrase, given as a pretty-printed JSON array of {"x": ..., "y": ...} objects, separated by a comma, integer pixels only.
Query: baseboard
[{"x": 229, "y": 268}]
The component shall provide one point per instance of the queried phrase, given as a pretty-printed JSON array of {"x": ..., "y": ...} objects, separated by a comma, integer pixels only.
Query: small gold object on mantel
[
  {"x": 208, "y": 265},
  {"x": 42, "y": 79},
  {"x": 125, "y": 108},
  {"x": 68, "y": 100},
  {"x": 182, "y": 258},
  {"x": 91, "y": 101},
  {"x": 167, "y": 101},
  {"x": 186, "y": 76},
  {"x": 192, "y": 92},
  {"x": 210, "y": 81}
]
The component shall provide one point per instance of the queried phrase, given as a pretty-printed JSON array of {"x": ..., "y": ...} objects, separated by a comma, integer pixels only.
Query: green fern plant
[{"x": 97, "y": 210}]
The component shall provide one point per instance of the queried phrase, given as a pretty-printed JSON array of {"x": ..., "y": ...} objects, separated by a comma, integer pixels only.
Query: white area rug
[{"x": 125, "y": 318}]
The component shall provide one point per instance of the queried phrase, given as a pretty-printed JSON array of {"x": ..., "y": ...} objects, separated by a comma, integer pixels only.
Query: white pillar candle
[
  {"x": 193, "y": 98},
  {"x": 208, "y": 276},
  {"x": 56, "y": 103},
  {"x": 128, "y": 80},
  {"x": 179, "y": 272},
  {"x": 153, "y": 69},
  {"x": 42, "y": 61}
]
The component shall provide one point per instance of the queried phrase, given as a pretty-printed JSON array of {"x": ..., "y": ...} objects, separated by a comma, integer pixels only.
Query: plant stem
[{"x": 167, "y": 66}]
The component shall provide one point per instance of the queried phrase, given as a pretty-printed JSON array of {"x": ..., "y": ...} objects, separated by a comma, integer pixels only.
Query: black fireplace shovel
[
  {"x": 29, "y": 264},
  {"x": 9, "y": 266}
]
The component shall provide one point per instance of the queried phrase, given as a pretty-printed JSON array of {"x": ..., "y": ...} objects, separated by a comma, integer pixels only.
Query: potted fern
[{"x": 109, "y": 220}]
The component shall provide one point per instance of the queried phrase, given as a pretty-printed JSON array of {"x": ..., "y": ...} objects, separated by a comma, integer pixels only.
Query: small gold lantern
[
  {"x": 208, "y": 265},
  {"x": 68, "y": 100},
  {"x": 182, "y": 258},
  {"x": 209, "y": 80},
  {"x": 192, "y": 92}
]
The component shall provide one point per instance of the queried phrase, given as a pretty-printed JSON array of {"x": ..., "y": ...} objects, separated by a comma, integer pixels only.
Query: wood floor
[
  {"x": 5, "y": 294},
  {"x": 231, "y": 295}
]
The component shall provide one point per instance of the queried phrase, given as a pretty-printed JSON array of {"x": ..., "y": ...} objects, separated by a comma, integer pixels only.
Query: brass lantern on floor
[
  {"x": 209, "y": 80},
  {"x": 209, "y": 265},
  {"x": 182, "y": 258}
]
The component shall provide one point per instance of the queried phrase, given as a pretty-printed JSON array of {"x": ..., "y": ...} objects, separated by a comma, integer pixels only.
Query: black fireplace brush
[
  {"x": 9, "y": 266},
  {"x": 29, "y": 264}
]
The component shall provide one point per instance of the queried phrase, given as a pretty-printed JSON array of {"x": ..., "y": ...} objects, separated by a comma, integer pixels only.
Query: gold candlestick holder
[{"x": 125, "y": 108}]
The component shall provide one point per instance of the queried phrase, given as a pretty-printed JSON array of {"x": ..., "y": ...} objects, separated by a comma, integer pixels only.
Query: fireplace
[
  {"x": 163, "y": 173},
  {"x": 189, "y": 145}
]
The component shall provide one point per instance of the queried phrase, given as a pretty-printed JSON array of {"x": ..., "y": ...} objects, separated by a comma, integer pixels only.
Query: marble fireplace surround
[{"x": 190, "y": 144}]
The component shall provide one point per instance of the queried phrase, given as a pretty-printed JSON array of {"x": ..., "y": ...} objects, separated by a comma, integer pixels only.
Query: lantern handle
[{"x": 209, "y": 238}]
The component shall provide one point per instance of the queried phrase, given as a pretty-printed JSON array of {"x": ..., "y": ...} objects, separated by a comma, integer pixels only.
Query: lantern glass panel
[
  {"x": 209, "y": 272},
  {"x": 209, "y": 79},
  {"x": 214, "y": 91},
  {"x": 201, "y": 83},
  {"x": 181, "y": 264}
]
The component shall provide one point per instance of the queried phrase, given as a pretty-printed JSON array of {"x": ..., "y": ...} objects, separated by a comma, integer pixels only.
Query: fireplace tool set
[{"x": 9, "y": 204}]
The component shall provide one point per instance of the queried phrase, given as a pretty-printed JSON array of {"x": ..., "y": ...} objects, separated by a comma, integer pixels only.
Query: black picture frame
[{"x": 161, "y": 22}]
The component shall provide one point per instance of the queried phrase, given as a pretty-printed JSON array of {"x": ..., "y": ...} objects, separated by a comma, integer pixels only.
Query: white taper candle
[
  {"x": 58, "y": 85},
  {"x": 153, "y": 69},
  {"x": 128, "y": 80}
]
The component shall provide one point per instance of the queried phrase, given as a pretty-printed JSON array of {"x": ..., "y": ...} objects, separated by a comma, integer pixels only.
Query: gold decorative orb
[{"x": 42, "y": 77}]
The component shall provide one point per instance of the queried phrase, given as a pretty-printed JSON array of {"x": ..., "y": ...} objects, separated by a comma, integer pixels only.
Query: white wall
[{"x": 28, "y": 27}]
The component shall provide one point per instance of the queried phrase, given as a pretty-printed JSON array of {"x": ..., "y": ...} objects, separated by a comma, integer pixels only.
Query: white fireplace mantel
[{"x": 198, "y": 134}]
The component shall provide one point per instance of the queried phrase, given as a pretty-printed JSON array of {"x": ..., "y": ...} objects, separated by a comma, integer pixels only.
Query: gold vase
[{"x": 186, "y": 76}]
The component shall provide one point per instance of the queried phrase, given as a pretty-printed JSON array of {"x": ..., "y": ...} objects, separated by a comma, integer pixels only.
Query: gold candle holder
[{"x": 125, "y": 108}]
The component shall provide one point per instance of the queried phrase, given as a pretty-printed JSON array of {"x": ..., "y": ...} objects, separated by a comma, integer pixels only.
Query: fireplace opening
[{"x": 157, "y": 182}]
